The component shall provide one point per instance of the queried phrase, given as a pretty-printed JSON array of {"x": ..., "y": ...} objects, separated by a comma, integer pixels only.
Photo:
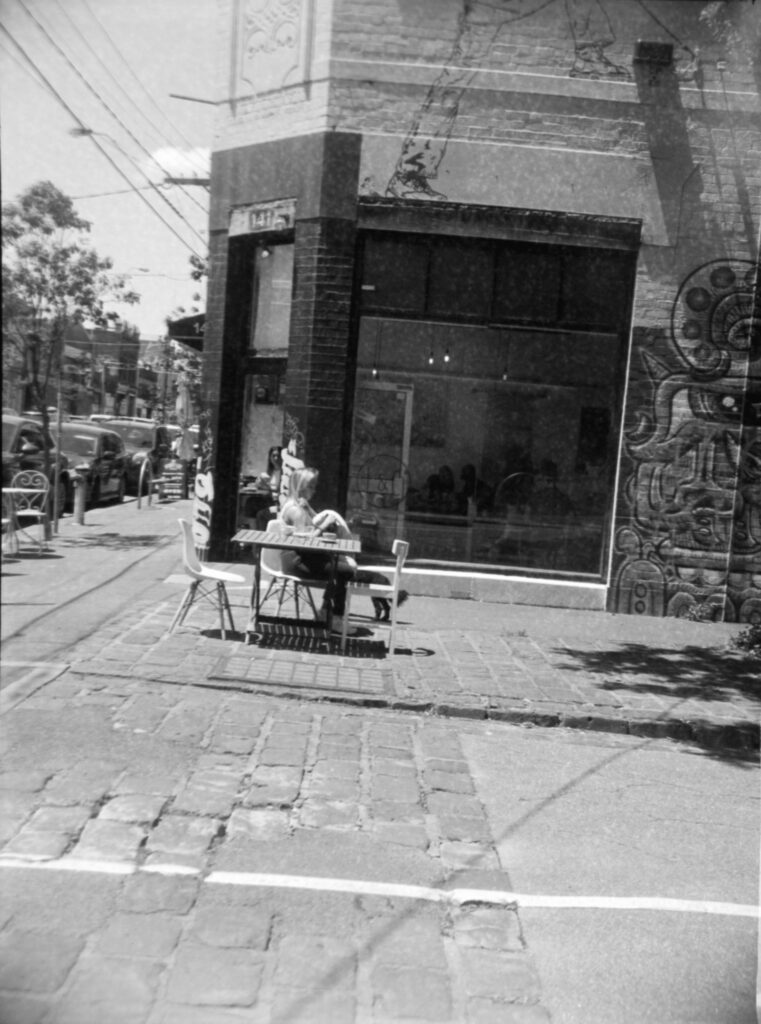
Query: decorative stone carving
[{"x": 273, "y": 42}]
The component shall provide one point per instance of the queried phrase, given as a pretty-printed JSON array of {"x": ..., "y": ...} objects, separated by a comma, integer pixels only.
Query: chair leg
[
  {"x": 221, "y": 606},
  {"x": 392, "y": 631},
  {"x": 269, "y": 588},
  {"x": 345, "y": 623},
  {"x": 308, "y": 593},
  {"x": 187, "y": 599},
  {"x": 228, "y": 609}
]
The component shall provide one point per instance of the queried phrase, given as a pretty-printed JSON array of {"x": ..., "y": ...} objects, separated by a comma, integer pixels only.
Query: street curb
[{"x": 742, "y": 737}]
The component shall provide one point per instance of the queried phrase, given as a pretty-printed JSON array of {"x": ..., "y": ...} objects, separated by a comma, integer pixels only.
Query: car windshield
[
  {"x": 79, "y": 444},
  {"x": 137, "y": 436}
]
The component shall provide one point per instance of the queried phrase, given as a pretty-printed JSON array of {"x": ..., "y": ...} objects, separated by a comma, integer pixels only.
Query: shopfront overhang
[{"x": 189, "y": 330}]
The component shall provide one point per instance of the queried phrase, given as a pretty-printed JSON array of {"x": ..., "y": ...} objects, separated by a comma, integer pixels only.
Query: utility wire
[
  {"x": 102, "y": 149},
  {"x": 79, "y": 74},
  {"x": 136, "y": 79},
  {"x": 125, "y": 94}
]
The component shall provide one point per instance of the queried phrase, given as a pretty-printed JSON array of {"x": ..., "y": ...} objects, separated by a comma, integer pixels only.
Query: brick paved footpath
[{"x": 517, "y": 663}]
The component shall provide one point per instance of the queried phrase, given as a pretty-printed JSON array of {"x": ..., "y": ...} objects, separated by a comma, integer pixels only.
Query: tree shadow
[
  {"x": 692, "y": 672},
  {"x": 699, "y": 675},
  {"x": 115, "y": 541}
]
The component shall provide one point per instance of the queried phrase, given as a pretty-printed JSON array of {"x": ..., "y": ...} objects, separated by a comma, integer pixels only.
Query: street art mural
[{"x": 691, "y": 497}]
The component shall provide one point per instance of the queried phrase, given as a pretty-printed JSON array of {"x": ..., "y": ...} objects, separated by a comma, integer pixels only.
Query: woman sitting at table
[{"x": 298, "y": 513}]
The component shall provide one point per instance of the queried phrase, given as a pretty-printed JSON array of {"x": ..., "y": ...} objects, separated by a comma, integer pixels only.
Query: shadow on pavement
[
  {"x": 693, "y": 672},
  {"x": 690, "y": 674},
  {"x": 117, "y": 541}
]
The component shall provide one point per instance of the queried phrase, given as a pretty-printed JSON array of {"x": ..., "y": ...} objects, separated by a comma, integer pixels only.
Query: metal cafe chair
[
  {"x": 388, "y": 591},
  {"x": 31, "y": 509},
  {"x": 205, "y": 583}
]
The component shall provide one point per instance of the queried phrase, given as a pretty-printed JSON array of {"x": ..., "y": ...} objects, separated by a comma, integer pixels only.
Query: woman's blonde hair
[{"x": 300, "y": 481}]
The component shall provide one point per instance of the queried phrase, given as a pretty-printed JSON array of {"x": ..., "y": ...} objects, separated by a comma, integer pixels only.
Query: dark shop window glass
[
  {"x": 395, "y": 274},
  {"x": 527, "y": 286},
  {"x": 461, "y": 279},
  {"x": 594, "y": 290}
]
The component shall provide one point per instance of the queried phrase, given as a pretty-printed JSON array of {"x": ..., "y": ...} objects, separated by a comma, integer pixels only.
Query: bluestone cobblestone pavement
[{"x": 154, "y": 768}]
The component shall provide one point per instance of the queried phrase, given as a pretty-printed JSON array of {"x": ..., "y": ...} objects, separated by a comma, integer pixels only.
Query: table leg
[
  {"x": 332, "y": 591},
  {"x": 253, "y": 614}
]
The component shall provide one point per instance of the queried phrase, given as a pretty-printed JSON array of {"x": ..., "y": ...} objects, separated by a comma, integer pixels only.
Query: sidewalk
[{"x": 516, "y": 663}]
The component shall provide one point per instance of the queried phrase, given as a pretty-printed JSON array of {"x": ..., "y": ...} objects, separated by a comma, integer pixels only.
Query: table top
[
  {"x": 25, "y": 490},
  {"x": 328, "y": 543}
]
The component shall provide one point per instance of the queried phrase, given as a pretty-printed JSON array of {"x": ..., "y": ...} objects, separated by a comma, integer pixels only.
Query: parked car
[
  {"x": 100, "y": 455},
  {"x": 24, "y": 448},
  {"x": 142, "y": 440}
]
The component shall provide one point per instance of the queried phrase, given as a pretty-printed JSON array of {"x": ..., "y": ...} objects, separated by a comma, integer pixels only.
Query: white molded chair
[
  {"x": 284, "y": 584},
  {"x": 389, "y": 591},
  {"x": 32, "y": 509},
  {"x": 205, "y": 583}
]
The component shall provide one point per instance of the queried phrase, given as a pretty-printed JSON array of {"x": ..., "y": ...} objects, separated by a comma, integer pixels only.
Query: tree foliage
[{"x": 51, "y": 280}]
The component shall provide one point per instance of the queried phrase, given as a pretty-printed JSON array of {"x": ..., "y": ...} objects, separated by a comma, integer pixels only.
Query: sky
[{"x": 109, "y": 67}]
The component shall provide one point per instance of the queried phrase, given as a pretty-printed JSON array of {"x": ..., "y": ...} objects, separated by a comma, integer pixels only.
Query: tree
[{"x": 51, "y": 280}]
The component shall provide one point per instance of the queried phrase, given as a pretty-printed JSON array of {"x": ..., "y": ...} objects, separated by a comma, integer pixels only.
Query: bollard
[{"x": 80, "y": 497}]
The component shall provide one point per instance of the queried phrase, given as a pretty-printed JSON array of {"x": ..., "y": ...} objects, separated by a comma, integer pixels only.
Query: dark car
[
  {"x": 24, "y": 448},
  {"x": 99, "y": 455},
  {"x": 143, "y": 440}
]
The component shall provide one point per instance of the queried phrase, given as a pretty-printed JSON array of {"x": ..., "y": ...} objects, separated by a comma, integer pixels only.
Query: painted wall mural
[
  {"x": 481, "y": 26},
  {"x": 691, "y": 495}
]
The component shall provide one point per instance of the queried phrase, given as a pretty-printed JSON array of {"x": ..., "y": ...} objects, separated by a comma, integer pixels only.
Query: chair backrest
[
  {"x": 400, "y": 548},
  {"x": 189, "y": 556},
  {"x": 33, "y": 480},
  {"x": 272, "y": 559}
]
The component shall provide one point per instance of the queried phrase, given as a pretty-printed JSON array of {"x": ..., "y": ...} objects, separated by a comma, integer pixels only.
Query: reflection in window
[
  {"x": 507, "y": 458},
  {"x": 273, "y": 286}
]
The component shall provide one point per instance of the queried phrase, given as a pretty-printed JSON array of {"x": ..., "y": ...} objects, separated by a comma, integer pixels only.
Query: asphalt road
[{"x": 629, "y": 821}]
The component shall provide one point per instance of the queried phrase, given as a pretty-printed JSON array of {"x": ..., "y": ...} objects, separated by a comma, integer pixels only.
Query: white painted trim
[{"x": 498, "y": 578}]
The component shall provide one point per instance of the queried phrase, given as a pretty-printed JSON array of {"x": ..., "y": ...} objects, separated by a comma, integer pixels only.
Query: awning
[{"x": 189, "y": 330}]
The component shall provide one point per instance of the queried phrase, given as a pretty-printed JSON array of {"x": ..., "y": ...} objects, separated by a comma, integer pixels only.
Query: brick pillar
[{"x": 319, "y": 359}]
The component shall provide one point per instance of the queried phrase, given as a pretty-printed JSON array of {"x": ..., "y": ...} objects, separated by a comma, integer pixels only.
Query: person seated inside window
[
  {"x": 546, "y": 497},
  {"x": 474, "y": 490}
]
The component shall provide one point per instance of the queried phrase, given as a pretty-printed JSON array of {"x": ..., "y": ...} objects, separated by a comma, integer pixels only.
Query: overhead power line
[
  {"x": 100, "y": 99},
  {"x": 102, "y": 149},
  {"x": 122, "y": 92},
  {"x": 138, "y": 82}
]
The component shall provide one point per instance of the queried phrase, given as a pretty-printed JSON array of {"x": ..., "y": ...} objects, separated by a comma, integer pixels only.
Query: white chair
[
  {"x": 32, "y": 509},
  {"x": 205, "y": 583},
  {"x": 388, "y": 591},
  {"x": 284, "y": 584}
]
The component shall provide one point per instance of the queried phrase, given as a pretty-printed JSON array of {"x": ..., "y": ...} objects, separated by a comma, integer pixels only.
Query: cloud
[{"x": 186, "y": 163}]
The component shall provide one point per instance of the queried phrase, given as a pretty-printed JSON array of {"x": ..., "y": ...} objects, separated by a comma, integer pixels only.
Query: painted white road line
[{"x": 362, "y": 887}]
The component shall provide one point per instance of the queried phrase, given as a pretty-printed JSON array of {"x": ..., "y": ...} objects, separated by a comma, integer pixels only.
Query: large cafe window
[
  {"x": 487, "y": 400},
  {"x": 271, "y": 287}
]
